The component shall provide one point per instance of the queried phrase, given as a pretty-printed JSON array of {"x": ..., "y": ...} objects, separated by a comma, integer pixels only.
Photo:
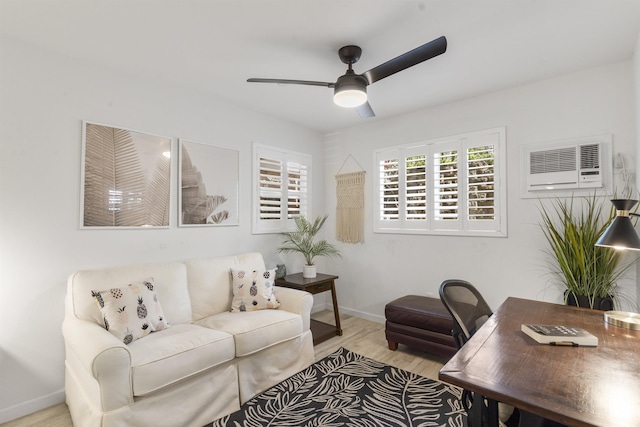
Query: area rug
[{"x": 350, "y": 390}]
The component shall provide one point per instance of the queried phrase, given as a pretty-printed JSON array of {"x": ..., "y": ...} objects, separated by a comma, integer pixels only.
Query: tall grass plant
[{"x": 572, "y": 229}]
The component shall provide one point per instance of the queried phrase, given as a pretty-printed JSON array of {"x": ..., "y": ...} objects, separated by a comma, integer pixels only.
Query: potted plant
[
  {"x": 302, "y": 241},
  {"x": 588, "y": 272}
]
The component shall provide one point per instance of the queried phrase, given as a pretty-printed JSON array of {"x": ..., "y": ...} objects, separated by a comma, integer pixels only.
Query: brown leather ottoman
[{"x": 420, "y": 322}]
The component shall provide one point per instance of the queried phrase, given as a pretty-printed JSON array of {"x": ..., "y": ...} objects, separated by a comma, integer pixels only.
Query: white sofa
[{"x": 203, "y": 366}]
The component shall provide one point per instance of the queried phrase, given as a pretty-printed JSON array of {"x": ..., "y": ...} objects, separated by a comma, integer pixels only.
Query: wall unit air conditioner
[{"x": 568, "y": 165}]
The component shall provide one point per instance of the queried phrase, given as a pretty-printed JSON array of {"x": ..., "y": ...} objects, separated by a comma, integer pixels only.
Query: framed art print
[
  {"x": 209, "y": 185},
  {"x": 126, "y": 178}
]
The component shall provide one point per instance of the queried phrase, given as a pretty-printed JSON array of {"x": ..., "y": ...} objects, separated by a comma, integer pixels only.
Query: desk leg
[
  {"x": 335, "y": 308},
  {"x": 476, "y": 410},
  {"x": 492, "y": 407},
  {"x": 480, "y": 412}
]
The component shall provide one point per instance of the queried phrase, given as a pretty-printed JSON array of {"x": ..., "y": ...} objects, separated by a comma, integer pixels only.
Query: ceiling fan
[{"x": 350, "y": 90}]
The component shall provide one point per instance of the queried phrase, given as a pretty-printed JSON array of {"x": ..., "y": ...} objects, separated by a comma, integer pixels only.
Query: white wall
[
  {"x": 387, "y": 266},
  {"x": 43, "y": 99}
]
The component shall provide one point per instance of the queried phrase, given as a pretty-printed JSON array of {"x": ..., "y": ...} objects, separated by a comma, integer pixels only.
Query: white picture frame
[
  {"x": 209, "y": 185},
  {"x": 126, "y": 178}
]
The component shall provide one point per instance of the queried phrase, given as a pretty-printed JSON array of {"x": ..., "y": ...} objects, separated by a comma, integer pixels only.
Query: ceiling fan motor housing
[{"x": 350, "y": 90}]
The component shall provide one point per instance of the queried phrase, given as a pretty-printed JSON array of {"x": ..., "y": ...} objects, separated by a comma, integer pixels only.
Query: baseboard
[
  {"x": 362, "y": 315},
  {"x": 31, "y": 406},
  {"x": 351, "y": 312}
]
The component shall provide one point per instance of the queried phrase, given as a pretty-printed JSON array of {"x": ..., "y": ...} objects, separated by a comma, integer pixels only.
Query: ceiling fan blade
[
  {"x": 409, "y": 59},
  {"x": 365, "y": 110},
  {"x": 292, "y": 82}
]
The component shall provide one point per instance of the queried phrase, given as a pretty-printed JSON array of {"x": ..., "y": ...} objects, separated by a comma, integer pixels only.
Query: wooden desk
[
  {"x": 321, "y": 283},
  {"x": 581, "y": 386}
]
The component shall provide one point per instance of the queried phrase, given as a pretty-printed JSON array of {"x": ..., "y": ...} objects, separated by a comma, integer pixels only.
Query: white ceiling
[{"x": 214, "y": 46}]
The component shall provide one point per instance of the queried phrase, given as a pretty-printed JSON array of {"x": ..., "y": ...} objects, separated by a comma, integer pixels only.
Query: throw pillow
[
  {"x": 253, "y": 290},
  {"x": 131, "y": 312}
]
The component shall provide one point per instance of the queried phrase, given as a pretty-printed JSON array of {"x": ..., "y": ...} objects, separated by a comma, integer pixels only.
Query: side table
[{"x": 321, "y": 283}]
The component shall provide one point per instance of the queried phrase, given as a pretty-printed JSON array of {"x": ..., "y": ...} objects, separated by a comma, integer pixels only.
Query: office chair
[
  {"x": 469, "y": 311},
  {"x": 467, "y": 307}
]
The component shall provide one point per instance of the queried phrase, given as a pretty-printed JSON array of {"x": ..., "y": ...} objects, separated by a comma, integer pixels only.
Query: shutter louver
[
  {"x": 480, "y": 183},
  {"x": 416, "y": 188},
  {"x": 297, "y": 178},
  {"x": 270, "y": 189},
  {"x": 389, "y": 189},
  {"x": 445, "y": 187}
]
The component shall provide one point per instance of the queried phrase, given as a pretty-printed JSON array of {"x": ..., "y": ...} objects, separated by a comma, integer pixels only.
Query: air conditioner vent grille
[
  {"x": 590, "y": 156},
  {"x": 555, "y": 160}
]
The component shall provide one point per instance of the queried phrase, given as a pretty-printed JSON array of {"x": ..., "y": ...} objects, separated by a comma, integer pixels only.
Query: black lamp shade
[{"x": 621, "y": 234}]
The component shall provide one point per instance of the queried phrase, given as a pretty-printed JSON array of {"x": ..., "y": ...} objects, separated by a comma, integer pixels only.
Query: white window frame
[
  {"x": 290, "y": 161},
  {"x": 461, "y": 224}
]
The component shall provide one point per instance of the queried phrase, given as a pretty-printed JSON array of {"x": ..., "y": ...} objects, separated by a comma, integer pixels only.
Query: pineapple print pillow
[
  {"x": 131, "y": 312},
  {"x": 253, "y": 290}
]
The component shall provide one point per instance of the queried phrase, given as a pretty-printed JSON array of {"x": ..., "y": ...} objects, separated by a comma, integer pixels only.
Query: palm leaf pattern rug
[{"x": 350, "y": 390}]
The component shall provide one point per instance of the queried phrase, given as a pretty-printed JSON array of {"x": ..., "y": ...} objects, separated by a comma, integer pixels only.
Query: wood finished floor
[{"x": 361, "y": 336}]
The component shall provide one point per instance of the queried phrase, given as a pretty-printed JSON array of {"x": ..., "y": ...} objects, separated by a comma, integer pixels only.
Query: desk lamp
[{"x": 622, "y": 235}]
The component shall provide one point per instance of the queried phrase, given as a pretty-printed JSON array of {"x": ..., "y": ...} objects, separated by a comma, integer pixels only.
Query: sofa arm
[
  {"x": 296, "y": 301},
  {"x": 93, "y": 352}
]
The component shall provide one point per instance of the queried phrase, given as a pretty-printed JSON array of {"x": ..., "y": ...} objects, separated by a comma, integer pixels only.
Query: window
[
  {"x": 453, "y": 185},
  {"x": 281, "y": 182}
]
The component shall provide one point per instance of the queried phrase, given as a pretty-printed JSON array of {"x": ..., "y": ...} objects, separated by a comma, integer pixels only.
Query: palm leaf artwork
[
  {"x": 572, "y": 232},
  {"x": 197, "y": 206},
  {"x": 158, "y": 201},
  {"x": 116, "y": 189}
]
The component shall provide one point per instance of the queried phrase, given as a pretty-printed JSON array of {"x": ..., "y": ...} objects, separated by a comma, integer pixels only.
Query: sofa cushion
[
  {"x": 170, "y": 285},
  {"x": 210, "y": 282},
  {"x": 253, "y": 290},
  {"x": 131, "y": 312},
  {"x": 176, "y": 353},
  {"x": 256, "y": 330}
]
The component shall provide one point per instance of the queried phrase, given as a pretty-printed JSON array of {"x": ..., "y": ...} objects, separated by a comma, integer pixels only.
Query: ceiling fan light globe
[{"x": 350, "y": 98}]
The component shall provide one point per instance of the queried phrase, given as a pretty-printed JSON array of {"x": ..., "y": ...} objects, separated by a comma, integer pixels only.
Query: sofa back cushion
[
  {"x": 210, "y": 282},
  {"x": 170, "y": 283}
]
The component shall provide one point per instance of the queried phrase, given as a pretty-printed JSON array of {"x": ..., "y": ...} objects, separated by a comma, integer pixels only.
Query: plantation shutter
[
  {"x": 452, "y": 185},
  {"x": 281, "y": 183},
  {"x": 297, "y": 174},
  {"x": 271, "y": 189},
  {"x": 402, "y": 197},
  {"x": 416, "y": 187},
  {"x": 446, "y": 185},
  {"x": 482, "y": 213},
  {"x": 389, "y": 185}
]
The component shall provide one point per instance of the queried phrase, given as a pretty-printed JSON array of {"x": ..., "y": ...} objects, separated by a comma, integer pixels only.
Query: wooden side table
[{"x": 321, "y": 283}]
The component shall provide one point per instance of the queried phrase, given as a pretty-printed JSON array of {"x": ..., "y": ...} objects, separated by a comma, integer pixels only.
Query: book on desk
[{"x": 560, "y": 335}]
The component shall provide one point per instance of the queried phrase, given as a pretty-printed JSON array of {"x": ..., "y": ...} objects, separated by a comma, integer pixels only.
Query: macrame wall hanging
[{"x": 350, "y": 205}]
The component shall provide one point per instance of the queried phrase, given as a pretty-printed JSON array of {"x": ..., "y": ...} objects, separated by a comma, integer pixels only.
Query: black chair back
[
  {"x": 467, "y": 307},
  {"x": 469, "y": 311}
]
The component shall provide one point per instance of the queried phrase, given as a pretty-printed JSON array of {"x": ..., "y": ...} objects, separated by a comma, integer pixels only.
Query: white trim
[
  {"x": 234, "y": 219},
  {"x": 30, "y": 406},
  {"x": 172, "y": 189},
  {"x": 286, "y": 156}
]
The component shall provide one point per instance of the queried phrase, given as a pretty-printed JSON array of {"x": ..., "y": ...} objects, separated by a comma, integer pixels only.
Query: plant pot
[
  {"x": 309, "y": 271},
  {"x": 604, "y": 304}
]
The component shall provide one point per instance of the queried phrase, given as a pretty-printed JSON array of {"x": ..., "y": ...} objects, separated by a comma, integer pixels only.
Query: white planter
[{"x": 309, "y": 271}]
